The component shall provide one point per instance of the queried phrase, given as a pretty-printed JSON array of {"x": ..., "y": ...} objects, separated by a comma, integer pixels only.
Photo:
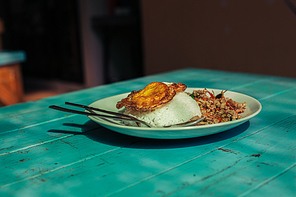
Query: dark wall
[
  {"x": 245, "y": 35},
  {"x": 48, "y": 32}
]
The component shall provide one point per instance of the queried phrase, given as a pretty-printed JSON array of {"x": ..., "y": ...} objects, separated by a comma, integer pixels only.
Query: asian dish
[
  {"x": 217, "y": 108},
  {"x": 161, "y": 104}
]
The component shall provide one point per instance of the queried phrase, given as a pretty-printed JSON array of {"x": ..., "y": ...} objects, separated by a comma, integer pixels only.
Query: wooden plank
[
  {"x": 131, "y": 170},
  {"x": 37, "y": 135},
  {"x": 277, "y": 181},
  {"x": 265, "y": 113},
  {"x": 98, "y": 162},
  {"x": 232, "y": 170}
]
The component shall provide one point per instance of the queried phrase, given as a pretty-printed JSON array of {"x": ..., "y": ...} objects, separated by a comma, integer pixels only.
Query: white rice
[{"x": 180, "y": 109}]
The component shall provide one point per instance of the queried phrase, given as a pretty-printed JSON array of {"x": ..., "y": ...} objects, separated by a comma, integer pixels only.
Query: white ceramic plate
[{"x": 252, "y": 109}]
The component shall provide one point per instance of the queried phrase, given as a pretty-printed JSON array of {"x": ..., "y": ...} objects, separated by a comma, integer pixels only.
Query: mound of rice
[{"x": 180, "y": 109}]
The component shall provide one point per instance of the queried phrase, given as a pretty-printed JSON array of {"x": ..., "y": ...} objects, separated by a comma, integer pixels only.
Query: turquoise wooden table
[{"x": 44, "y": 152}]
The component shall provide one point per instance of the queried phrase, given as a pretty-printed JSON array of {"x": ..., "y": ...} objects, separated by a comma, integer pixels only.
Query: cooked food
[
  {"x": 153, "y": 96},
  {"x": 162, "y": 104},
  {"x": 217, "y": 108},
  {"x": 180, "y": 109}
]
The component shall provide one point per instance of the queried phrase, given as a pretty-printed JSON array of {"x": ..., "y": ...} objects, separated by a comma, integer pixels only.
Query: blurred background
[{"x": 76, "y": 44}]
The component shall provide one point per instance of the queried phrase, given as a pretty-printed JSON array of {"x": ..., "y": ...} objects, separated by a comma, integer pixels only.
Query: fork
[{"x": 115, "y": 115}]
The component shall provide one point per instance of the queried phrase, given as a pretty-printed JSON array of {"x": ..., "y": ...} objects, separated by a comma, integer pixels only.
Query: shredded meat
[{"x": 217, "y": 108}]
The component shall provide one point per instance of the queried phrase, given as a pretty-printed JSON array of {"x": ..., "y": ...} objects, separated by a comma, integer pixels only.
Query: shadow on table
[{"x": 97, "y": 133}]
